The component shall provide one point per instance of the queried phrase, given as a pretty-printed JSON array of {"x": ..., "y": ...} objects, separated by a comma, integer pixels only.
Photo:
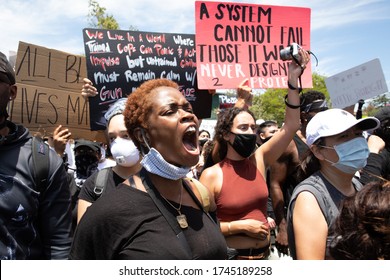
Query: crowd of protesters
[{"x": 164, "y": 189}]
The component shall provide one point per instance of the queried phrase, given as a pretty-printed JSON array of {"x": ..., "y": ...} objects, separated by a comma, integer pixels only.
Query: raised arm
[
  {"x": 61, "y": 136},
  {"x": 270, "y": 151},
  {"x": 244, "y": 95}
]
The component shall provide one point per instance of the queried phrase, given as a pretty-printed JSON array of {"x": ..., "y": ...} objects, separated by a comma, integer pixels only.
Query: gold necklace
[{"x": 181, "y": 218}]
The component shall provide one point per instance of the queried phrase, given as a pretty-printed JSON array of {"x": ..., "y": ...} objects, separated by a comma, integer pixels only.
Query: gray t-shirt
[{"x": 328, "y": 197}]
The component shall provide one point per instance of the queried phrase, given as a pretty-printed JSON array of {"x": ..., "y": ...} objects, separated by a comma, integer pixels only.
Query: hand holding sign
[
  {"x": 88, "y": 90},
  {"x": 244, "y": 92}
]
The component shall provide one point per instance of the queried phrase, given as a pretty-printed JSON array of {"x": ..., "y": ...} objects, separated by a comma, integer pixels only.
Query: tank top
[
  {"x": 244, "y": 192},
  {"x": 329, "y": 200}
]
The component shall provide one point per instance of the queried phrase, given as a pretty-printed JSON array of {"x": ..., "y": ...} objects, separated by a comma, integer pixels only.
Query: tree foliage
[
  {"x": 381, "y": 101},
  {"x": 99, "y": 19},
  {"x": 270, "y": 104},
  {"x": 376, "y": 104}
]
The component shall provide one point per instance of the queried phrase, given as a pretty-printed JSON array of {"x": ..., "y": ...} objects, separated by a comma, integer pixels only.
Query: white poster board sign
[{"x": 361, "y": 82}]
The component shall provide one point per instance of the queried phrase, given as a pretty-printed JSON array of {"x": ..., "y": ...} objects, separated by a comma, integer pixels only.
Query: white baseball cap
[
  {"x": 335, "y": 121},
  {"x": 259, "y": 121}
]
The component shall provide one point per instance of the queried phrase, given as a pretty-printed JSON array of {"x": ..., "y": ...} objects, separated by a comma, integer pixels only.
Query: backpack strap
[
  {"x": 204, "y": 193},
  {"x": 101, "y": 181},
  {"x": 40, "y": 160}
]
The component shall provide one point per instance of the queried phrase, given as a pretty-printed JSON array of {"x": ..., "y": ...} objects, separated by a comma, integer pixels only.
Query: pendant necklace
[{"x": 181, "y": 218}]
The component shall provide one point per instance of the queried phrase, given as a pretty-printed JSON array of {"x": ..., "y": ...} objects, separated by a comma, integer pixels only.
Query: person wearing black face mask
[
  {"x": 87, "y": 159},
  {"x": 238, "y": 181},
  {"x": 265, "y": 131},
  {"x": 203, "y": 141},
  {"x": 204, "y": 137},
  {"x": 244, "y": 144}
]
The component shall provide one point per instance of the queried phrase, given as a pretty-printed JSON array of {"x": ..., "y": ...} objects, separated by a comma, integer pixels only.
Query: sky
[{"x": 344, "y": 33}]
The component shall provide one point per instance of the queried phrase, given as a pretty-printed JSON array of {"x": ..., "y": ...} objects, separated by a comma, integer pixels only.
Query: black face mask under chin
[{"x": 244, "y": 144}]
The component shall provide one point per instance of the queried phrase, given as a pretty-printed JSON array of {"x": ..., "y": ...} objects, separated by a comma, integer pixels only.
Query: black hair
[
  {"x": 266, "y": 124},
  {"x": 309, "y": 97},
  {"x": 204, "y": 130},
  {"x": 310, "y": 163}
]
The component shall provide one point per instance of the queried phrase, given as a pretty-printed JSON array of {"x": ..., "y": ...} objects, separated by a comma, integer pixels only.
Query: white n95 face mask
[{"x": 124, "y": 152}]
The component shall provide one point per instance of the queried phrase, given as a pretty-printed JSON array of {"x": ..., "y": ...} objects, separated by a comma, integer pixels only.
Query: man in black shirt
[{"x": 35, "y": 218}]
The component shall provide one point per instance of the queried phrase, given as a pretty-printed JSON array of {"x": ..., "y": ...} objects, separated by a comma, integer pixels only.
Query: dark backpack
[
  {"x": 41, "y": 162},
  {"x": 41, "y": 166}
]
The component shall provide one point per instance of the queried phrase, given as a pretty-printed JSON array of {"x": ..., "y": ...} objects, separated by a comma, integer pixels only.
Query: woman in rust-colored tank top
[{"x": 238, "y": 180}]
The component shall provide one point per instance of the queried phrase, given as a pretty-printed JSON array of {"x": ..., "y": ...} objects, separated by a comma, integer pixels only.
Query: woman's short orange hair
[{"x": 139, "y": 105}]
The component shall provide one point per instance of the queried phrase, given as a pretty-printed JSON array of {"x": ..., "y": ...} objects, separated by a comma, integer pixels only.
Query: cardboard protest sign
[
  {"x": 119, "y": 61},
  {"x": 235, "y": 41},
  {"x": 49, "y": 92},
  {"x": 361, "y": 82}
]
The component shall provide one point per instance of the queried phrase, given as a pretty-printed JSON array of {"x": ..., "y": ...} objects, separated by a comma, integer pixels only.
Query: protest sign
[
  {"x": 235, "y": 41},
  {"x": 118, "y": 61},
  {"x": 226, "y": 101},
  {"x": 49, "y": 92},
  {"x": 361, "y": 82}
]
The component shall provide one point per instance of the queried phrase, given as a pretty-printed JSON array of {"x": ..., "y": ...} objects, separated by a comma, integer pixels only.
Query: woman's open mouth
[{"x": 190, "y": 139}]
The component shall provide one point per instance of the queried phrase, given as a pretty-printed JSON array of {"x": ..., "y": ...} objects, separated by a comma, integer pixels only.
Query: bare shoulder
[
  {"x": 307, "y": 211},
  {"x": 212, "y": 178},
  {"x": 211, "y": 172},
  {"x": 307, "y": 202},
  {"x": 203, "y": 194}
]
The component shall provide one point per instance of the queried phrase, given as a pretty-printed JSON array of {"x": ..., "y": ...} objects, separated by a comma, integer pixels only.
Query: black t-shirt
[{"x": 125, "y": 224}]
